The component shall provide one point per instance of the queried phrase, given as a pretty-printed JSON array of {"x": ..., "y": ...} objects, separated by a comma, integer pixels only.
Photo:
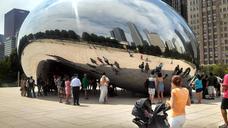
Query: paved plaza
[{"x": 47, "y": 112}]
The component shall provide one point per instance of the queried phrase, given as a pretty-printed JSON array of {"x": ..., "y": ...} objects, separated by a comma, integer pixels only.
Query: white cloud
[{"x": 7, "y": 5}]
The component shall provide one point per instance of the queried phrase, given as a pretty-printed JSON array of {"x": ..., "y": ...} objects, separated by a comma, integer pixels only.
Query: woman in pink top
[
  {"x": 67, "y": 89},
  {"x": 224, "y": 104}
]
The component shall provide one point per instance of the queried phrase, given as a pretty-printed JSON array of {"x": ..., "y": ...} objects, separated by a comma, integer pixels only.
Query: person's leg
[
  {"x": 74, "y": 95},
  {"x": 200, "y": 96},
  {"x": 158, "y": 93},
  {"x": 224, "y": 115},
  {"x": 162, "y": 96},
  {"x": 77, "y": 95},
  {"x": 197, "y": 97}
]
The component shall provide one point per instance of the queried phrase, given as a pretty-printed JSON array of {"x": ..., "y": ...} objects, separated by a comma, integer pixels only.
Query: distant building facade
[
  {"x": 135, "y": 34},
  {"x": 13, "y": 21},
  {"x": 9, "y": 45},
  {"x": 180, "y": 6},
  {"x": 118, "y": 34},
  {"x": 209, "y": 21},
  {"x": 1, "y": 46}
]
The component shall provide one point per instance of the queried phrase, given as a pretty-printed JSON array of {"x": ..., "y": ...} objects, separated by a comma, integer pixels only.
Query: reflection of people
[
  {"x": 179, "y": 99},
  {"x": 104, "y": 81},
  {"x": 75, "y": 84},
  {"x": 141, "y": 66},
  {"x": 147, "y": 68},
  {"x": 224, "y": 104}
]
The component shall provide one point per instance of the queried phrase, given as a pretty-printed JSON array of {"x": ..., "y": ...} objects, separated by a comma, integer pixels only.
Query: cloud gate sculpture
[{"x": 111, "y": 36}]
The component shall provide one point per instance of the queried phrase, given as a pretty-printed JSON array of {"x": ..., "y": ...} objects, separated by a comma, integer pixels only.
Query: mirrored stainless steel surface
[{"x": 131, "y": 22}]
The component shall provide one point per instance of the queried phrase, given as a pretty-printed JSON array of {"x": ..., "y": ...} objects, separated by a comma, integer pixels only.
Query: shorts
[
  {"x": 177, "y": 121},
  {"x": 151, "y": 91},
  {"x": 224, "y": 104},
  {"x": 210, "y": 90},
  {"x": 161, "y": 87},
  {"x": 199, "y": 90}
]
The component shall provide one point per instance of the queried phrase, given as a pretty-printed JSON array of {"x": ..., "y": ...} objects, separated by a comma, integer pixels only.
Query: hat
[{"x": 225, "y": 80}]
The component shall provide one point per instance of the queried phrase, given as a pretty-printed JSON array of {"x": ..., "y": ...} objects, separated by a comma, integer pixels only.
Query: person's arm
[
  {"x": 172, "y": 100},
  {"x": 224, "y": 88},
  {"x": 188, "y": 101}
]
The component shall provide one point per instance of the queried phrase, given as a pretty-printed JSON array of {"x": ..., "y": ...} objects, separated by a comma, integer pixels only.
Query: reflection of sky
[{"x": 101, "y": 16}]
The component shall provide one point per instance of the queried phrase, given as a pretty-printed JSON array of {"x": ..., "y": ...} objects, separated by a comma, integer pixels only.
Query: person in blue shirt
[{"x": 199, "y": 88}]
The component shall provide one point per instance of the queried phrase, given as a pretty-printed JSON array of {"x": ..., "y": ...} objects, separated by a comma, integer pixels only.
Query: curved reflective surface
[{"x": 149, "y": 26}]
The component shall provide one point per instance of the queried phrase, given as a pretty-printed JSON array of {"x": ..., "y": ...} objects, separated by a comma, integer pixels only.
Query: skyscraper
[
  {"x": 209, "y": 21},
  {"x": 180, "y": 6},
  {"x": 1, "y": 46},
  {"x": 118, "y": 34},
  {"x": 13, "y": 21},
  {"x": 135, "y": 34}
]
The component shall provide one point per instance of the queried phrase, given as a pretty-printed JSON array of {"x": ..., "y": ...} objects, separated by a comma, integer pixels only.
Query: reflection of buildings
[
  {"x": 177, "y": 46},
  {"x": 180, "y": 6},
  {"x": 185, "y": 48},
  {"x": 136, "y": 37},
  {"x": 13, "y": 22},
  {"x": 1, "y": 46},
  {"x": 209, "y": 19},
  {"x": 118, "y": 34},
  {"x": 155, "y": 40},
  {"x": 170, "y": 45}
]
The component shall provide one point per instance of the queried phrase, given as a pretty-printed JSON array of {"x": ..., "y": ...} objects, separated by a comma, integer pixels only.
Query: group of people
[
  {"x": 180, "y": 97},
  {"x": 27, "y": 87},
  {"x": 155, "y": 82},
  {"x": 67, "y": 86}
]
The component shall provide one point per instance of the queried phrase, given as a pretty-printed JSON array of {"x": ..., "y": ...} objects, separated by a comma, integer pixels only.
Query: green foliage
[
  {"x": 9, "y": 66},
  {"x": 217, "y": 69},
  {"x": 4, "y": 67}
]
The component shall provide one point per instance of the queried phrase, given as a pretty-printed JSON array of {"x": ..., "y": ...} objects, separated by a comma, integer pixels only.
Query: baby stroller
[{"x": 157, "y": 120}]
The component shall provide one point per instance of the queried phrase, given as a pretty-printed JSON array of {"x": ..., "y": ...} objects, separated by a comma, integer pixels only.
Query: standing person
[
  {"x": 211, "y": 85},
  {"x": 60, "y": 86},
  {"x": 104, "y": 81},
  {"x": 94, "y": 85},
  {"x": 67, "y": 89},
  {"x": 160, "y": 87},
  {"x": 85, "y": 85},
  {"x": 23, "y": 87},
  {"x": 75, "y": 84},
  {"x": 224, "y": 104},
  {"x": 179, "y": 99},
  {"x": 199, "y": 88},
  {"x": 205, "y": 83},
  {"x": 31, "y": 87},
  {"x": 150, "y": 85}
]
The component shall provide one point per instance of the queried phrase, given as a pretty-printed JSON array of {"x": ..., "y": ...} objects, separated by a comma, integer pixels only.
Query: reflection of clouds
[{"x": 101, "y": 16}]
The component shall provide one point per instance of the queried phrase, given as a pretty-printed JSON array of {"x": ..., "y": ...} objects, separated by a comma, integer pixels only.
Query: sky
[{"x": 7, "y": 5}]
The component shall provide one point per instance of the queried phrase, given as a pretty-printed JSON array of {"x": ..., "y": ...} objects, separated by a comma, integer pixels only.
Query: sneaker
[{"x": 223, "y": 126}]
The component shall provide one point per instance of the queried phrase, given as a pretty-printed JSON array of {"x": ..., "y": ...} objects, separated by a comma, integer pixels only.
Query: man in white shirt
[{"x": 75, "y": 84}]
